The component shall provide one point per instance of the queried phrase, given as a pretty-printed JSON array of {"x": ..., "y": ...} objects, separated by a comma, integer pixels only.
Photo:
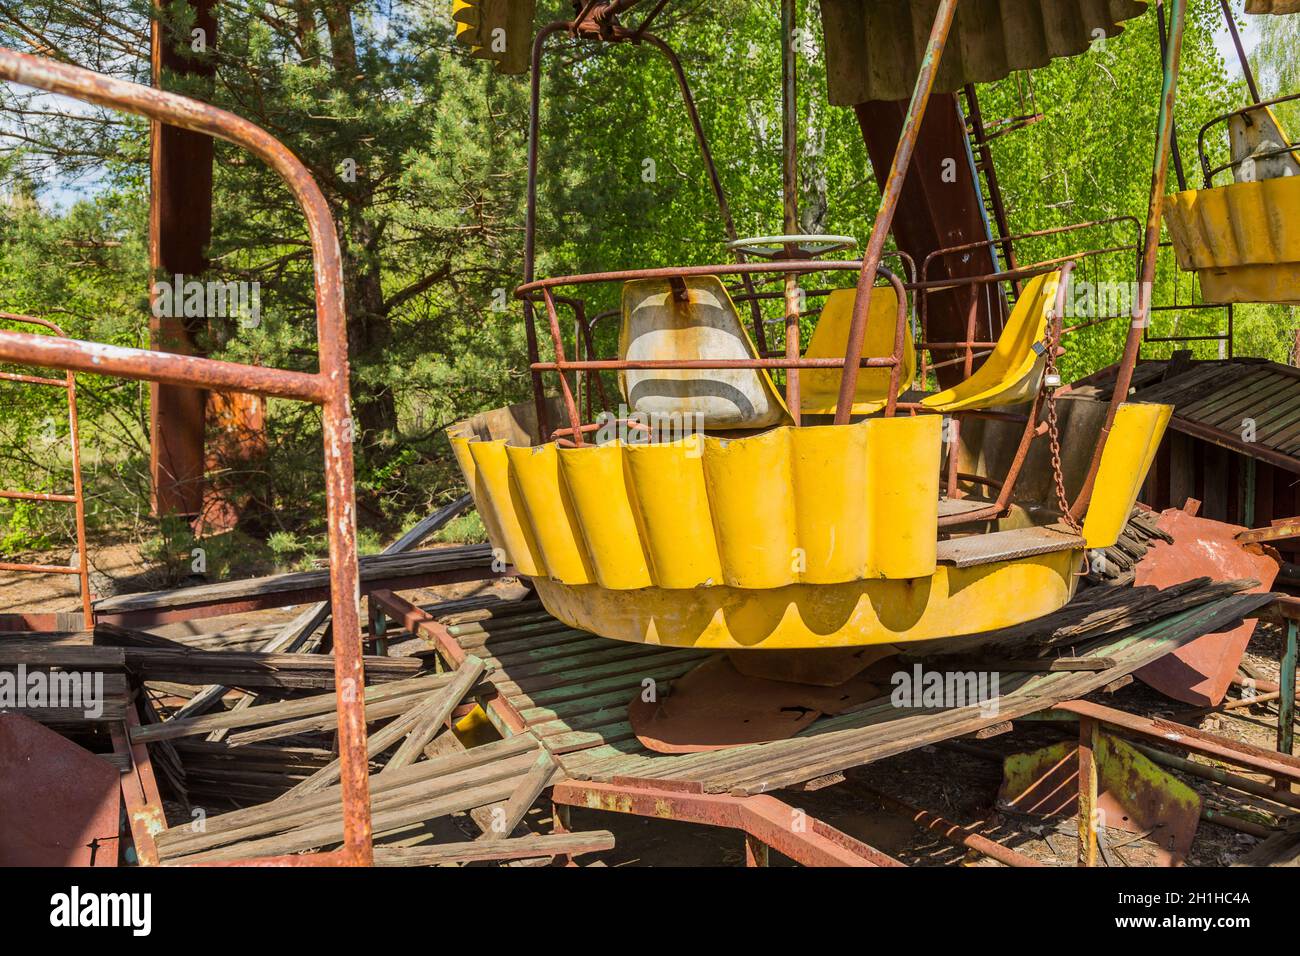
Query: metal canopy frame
[
  {"x": 597, "y": 20},
  {"x": 327, "y": 387}
]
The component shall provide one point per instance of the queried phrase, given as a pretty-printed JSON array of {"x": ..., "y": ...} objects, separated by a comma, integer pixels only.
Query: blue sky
[{"x": 1249, "y": 37}]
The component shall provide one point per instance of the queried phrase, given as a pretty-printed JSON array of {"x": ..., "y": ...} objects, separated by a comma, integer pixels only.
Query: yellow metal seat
[
  {"x": 820, "y": 388},
  {"x": 1012, "y": 372},
  {"x": 696, "y": 320},
  {"x": 1242, "y": 240}
]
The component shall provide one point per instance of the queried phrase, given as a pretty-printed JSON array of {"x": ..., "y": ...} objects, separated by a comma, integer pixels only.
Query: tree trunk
[{"x": 369, "y": 329}]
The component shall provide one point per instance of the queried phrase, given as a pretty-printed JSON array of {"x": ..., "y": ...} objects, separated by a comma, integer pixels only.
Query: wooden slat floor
[{"x": 572, "y": 691}]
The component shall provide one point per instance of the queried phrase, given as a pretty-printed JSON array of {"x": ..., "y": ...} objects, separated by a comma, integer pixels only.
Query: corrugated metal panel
[
  {"x": 874, "y": 47},
  {"x": 1252, "y": 405},
  {"x": 1276, "y": 7}
]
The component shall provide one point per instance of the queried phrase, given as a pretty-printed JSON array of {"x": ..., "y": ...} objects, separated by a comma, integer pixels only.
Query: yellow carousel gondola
[
  {"x": 1242, "y": 239},
  {"x": 813, "y": 515}
]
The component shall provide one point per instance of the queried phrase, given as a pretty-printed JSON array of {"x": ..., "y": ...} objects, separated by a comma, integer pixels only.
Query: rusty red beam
[
  {"x": 1150, "y": 247},
  {"x": 144, "y": 809},
  {"x": 1278, "y": 531},
  {"x": 1270, "y": 762},
  {"x": 799, "y": 836},
  {"x": 419, "y": 621},
  {"x": 180, "y": 229}
]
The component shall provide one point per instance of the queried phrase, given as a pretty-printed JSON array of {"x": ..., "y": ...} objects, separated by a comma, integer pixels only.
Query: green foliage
[{"x": 463, "y": 529}]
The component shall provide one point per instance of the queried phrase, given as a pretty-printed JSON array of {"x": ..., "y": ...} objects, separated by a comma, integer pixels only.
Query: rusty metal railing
[
  {"x": 327, "y": 387},
  {"x": 78, "y": 498},
  {"x": 928, "y": 286}
]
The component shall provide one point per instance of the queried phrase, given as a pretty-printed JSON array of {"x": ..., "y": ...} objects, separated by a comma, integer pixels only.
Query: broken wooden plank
[
  {"x": 514, "y": 848},
  {"x": 436, "y": 713},
  {"x": 529, "y": 789},
  {"x": 319, "y": 706}
]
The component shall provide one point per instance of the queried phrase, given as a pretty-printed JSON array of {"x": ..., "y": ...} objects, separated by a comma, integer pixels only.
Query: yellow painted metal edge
[
  {"x": 816, "y": 505},
  {"x": 801, "y": 616},
  {"x": 1011, "y": 374},
  {"x": 1238, "y": 225},
  {"x": 1125, "y": 461}
]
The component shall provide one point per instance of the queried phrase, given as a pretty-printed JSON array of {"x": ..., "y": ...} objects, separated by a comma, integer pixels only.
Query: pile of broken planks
[
  {"x": 1116, "y": 565},
  {"x": 239, "y": 724},
  {"x": 274, "y": 759}
]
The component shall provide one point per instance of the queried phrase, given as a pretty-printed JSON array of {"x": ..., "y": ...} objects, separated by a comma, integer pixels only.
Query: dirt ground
[{"x": 960, "y": 785}]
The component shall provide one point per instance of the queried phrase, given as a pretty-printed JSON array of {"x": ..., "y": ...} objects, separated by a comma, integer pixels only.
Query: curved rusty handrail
[{"x": 328, "y": 387}]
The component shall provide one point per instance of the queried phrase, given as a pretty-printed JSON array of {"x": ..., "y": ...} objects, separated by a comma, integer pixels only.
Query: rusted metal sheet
[
  {"x": 59, "y": 803},
  {"x": 1201, "y": 671},
  {"x": 715, "y": 706},
  {"x": 1133, "y": 794},
  {"x": 873, "y": 49}
]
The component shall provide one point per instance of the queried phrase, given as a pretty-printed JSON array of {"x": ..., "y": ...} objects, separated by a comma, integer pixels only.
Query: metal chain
[{"x": 1053, "y": 428}]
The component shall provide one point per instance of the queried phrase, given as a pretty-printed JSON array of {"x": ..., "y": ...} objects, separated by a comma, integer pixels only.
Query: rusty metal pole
[
  {"x": 79, "y": 492},
  {"x": 78, "y": 496},
  {"x": 1088, "y": 738},
  {"x": 530, "y": 218},
  {"x": 1244, "y": 60},
  {"x": 1150, "y": 249},
  {"x": 991, "y": 177},
  {"x": 1286, "y": 686},
  {"x": 790, "y": 195},
  {"x": 889, "y": 203}
]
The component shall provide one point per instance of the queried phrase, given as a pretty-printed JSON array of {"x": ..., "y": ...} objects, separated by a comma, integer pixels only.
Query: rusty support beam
[
  {"x": 1150, "y": 249},
  {"x": 1277, "y": 531},
  {"x": 786, "y": 829},
  {"x": 1088, "y": 732},
  {"x": 889, "y": 200},
  {"x": 180, "y": 229},
  {"x": 144, "y": 809},
  {"x": 1169, "y": 733},
  {"x": 1286, "y": 690}
]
